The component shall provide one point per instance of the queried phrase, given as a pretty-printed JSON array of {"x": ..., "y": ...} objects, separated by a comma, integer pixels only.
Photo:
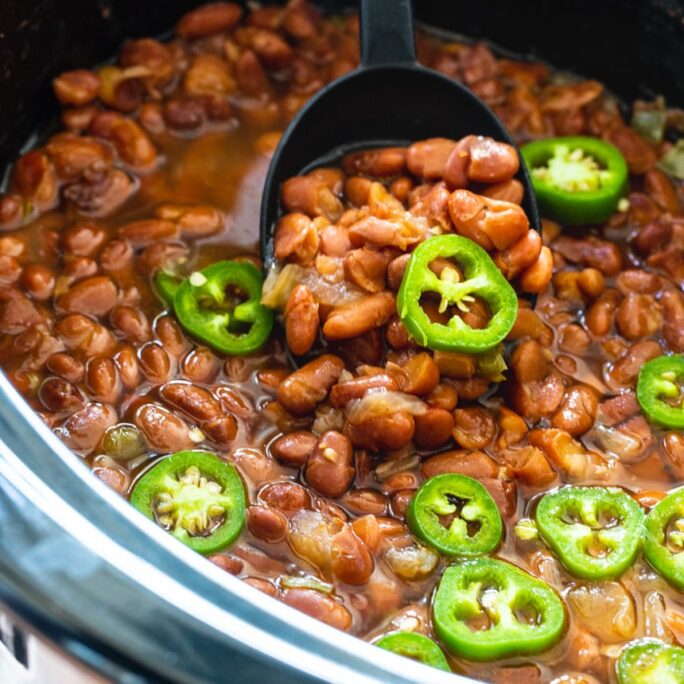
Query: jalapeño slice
[
  {"x": 485, "y": 609},
  {"x": 456, "y": 515},
  {"x": 196, "y": 496},
  {"x": 595, "y": 531}
]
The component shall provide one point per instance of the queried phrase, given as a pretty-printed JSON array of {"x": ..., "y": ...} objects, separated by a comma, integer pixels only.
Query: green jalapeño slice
[
  {"x": 415, "y": 646},
  {"x": 649, "y": 661},
  {"x": 577, "y": 180},
  {"x": 481, "y": 278},
  {"x": 456, "y": 515},
  {"x": 485, "y": 609},
  {"x": 660, "y": 390},
  {"x": 664, "y": 543},
  {"x": 595, "y": 531},
  {"x": 221, "y": 305},
  {"x": 196, "y": 496}
]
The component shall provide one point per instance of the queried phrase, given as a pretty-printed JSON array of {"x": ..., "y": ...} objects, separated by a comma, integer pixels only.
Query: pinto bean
[
  {"x": 116, "y": 255},
  {"x": 163, "y": 431},
  {"x": 197, "y": 221},
  {"x": 102, "y": 380},
  {"x": 577, "y": 411},
  {"x": 659, "y": 188},
  {"x": 365, "y": 502},
  {"x": 652, "y": 236},
  {"x": 171, "y": 336},
  {"x": 599, "y": 316},
  {"x": 474, "y": 427},
  {"x": 530, "y": 466},
  {"x": 302, "y": 390},
  {"x": 215, "y": 17},
  {"x": 673, "y": 319},
  {"x": 489, "y": 222},
  {"x": 395, "y": 271},
  {"x": 301, "y": 320},
  {"x": 427, "y": 159},
  {"x": 266, "y": 524},
  {"x": 507, "y": 191},
  {"x": 359, "y": 317},
  {"x": 127, "y": 363},
  {"x": 286, "y": 497},
  {"x": 148, "y": 231},
  {"x": 195, "y": 402},
  {"x": 627, "y": 367},
  {"x": 80, "y": 333},
  {"x": 200, "y": 365},
  {"x": 66, "y": 366},
  {"x": 155, "y": 362},
  {"x": 520, "y": 255},
  {"x": 342, "y": 393},
  {"x": 351, "y": 560},
  {"x": 366, "y": 268},
  {"x": 480, "y": 159},
  {"x": 77, "y": 88},
  {"x": 329, "y": 469},
  {"x": 33, "y": 177},
  {"x": 433, "y": 429},
  {"x": 379, "y": 163},
  {"x": 568, "y": 455},
  {"x": 593, "y": 251},
  {"x": 381, "y": 433},
  {"x": 221, "y": 429},
  {"x": 574, "y": 339},
  {"x": 310, "y": 196},
  {"x": 296, "y": 237},
  {"x": 38, "y": 281},
  {"x": 319, "y": 606},
  {"x": 635, "y": 280},
  {"x": 535, "y": 278},
  {"x": 472, "y": 463},
  {"x": 84, "y": 429},
  {"x": 420, "y": 375},
  {"x": 672, "y": 452},
  {"x": 57, "y": 395},
  {"x": 131, "y": 323},
  {"x": 638, "y": 154},
  {"x": 638, "y": 315}
]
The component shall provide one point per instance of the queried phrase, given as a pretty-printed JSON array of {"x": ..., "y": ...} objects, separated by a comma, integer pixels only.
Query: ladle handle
[{"x": 387, "y": 32}]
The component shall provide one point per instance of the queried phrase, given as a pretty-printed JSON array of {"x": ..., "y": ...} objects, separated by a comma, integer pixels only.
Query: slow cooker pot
[{"x": 83, "y": 574}]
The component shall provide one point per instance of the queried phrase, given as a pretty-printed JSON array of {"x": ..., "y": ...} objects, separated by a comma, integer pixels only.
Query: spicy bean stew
[{"x": 427, "y": 425}]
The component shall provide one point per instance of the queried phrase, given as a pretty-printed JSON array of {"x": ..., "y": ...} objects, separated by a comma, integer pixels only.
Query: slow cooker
[{"x": 89, "y": 590}]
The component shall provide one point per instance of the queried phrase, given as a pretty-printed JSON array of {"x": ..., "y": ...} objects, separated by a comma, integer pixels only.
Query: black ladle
[{"x": 390, "y": 99}]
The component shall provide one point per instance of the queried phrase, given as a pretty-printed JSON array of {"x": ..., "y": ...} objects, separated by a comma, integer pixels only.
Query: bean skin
[
  {"x": 329, "y": 469},
  {"x": 302, "y": 390},
  {"x": 301, "y": 320},
  {"x": 294, "y": 449},
  {"x": 474, "y": 427}
]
